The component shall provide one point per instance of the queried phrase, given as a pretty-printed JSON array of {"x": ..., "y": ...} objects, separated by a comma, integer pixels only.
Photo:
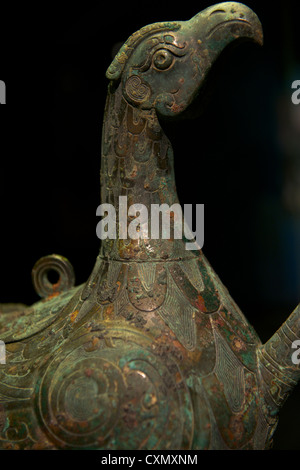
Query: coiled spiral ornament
[
  {"x": 57, "y": 264},
  {"x": 136, "y": 90}
]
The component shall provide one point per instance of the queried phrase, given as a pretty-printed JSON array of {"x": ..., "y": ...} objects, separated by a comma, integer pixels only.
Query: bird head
[{"x": 164, "y": 65}]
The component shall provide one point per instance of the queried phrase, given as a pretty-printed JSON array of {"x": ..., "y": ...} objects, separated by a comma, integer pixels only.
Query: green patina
[{"x": 151, "y": 352}]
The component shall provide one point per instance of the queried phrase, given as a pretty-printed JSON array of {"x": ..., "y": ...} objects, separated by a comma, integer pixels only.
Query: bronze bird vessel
[{"x": 151, "y": 352}]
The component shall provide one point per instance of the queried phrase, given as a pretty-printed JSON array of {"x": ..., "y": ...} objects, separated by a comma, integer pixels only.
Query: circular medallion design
[
  {"x": 119, "y": 397},
  {"x": 136, "y": 90}
]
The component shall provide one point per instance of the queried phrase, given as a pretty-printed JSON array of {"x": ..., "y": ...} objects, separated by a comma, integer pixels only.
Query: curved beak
[
  {"x": 209, "y": 33},
  {"x": 218, "y": 26},
  {"x": 221, "y": 24}
]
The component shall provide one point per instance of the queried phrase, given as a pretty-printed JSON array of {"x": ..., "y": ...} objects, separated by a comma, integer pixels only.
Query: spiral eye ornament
[{"x": 163, "y": 59}]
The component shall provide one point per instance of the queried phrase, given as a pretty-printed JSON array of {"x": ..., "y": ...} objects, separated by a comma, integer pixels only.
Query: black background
[{"x": 53, "y": 60}]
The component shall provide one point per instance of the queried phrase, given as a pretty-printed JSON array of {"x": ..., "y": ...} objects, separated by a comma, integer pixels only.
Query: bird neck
[
  {"x": 136, "y": 162},
  {"x": 137, "y": 156}
]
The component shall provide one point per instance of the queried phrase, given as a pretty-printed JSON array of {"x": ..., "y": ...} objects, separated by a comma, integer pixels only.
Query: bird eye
[{"x": 163, "y": 59}]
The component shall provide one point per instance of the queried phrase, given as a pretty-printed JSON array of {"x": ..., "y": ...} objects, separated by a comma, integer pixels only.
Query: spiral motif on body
[
  {"x": 136, "y": 90},
  {"x": 123, "y": 397}
]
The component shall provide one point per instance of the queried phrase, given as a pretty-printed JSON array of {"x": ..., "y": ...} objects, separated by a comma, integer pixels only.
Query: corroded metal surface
[{"x": 151, "y": 352}]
